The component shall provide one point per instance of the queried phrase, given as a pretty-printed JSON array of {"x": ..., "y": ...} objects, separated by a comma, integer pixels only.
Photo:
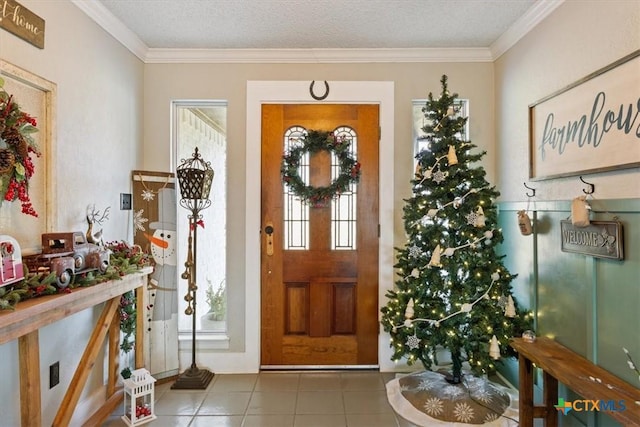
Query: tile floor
[{"x": 278, "y": 399}]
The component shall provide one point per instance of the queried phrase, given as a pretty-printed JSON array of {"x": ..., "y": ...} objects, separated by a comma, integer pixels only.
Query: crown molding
[
  {"x": 112, "y": 25},
  {"x": 536, "y": 14},
  {"x": 105, "y": 19},
  {"x": 287, "y": 56}
]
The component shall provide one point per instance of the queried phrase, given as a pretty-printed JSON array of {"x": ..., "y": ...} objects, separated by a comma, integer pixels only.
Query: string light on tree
[{"x": 453, "y": 290}]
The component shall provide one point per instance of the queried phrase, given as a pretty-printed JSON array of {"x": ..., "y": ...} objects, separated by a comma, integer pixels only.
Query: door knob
[{"x": 268, "y": 229}]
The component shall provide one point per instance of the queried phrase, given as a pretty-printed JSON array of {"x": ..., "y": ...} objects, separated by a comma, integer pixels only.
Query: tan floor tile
[
  {"x": 225, "y": 403},
  {"x": 319, "y": 381},
  {"x": 317, "y": 420},
  {"x": 277, "y": 381},
  {"x": 362, "y": 381},
  {"x": 234, "y": 382},
  {"x": 366, "y": 402},
  {"x": 272, "y": 402},
  {"x": 371, "y": 420},
  {"x": 172, "y": 403},
  {"x": 268, "y": 421},
  {"x": 320, "y": 402},
  {"x": 217, "y": 421}
]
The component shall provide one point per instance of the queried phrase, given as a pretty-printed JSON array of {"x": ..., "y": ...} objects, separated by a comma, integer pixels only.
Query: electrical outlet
[
  {"x": 125, "y": 201},
  {"x": 54, "y": 375}
]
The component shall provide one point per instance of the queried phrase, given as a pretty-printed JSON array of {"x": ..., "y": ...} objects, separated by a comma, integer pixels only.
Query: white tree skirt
[{"x": 426, "y": 399}]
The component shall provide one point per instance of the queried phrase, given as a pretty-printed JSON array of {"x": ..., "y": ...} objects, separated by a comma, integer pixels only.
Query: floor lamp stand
[{"x": 196, "y": 200}]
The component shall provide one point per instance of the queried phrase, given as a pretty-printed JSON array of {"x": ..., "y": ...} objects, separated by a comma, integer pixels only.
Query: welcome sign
[
  {"x": 591, "y": 126},
  {"x": 601, "y": 239},
  {"x": 21, "y": 22}
]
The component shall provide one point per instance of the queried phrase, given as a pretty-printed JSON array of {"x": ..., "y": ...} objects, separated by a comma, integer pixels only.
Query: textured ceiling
[{"x": 317, "y": 24}]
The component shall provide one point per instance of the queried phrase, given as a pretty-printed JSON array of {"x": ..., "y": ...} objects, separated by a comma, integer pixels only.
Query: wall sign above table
[
  {"x": 20, "y": 21},
  {"x": 593, "y": 125}
]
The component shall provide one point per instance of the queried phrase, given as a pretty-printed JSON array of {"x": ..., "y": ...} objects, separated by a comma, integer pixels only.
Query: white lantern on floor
[{"x": 139, "y": 398}]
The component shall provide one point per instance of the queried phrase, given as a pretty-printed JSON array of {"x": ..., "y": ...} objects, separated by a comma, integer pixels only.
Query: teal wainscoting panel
[
  {"x": 618, "y": 302},
  {"x": 564, "y": 287},
  {"x": 519, "y": 259}
]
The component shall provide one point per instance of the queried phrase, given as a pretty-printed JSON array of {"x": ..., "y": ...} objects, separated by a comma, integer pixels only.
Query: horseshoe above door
[{"x": 321, "y": 97}]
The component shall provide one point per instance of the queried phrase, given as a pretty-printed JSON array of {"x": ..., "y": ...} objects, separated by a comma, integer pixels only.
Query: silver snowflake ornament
[
  {"x": 472, "y": 218},
  {"x": 413, "y": 342},
  {"x": 439, "y": 176},
  {"x": 414, "y": 251}
]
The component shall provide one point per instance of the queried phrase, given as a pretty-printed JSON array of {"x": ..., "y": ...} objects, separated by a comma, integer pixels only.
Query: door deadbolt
[{"x": 268, "y": 229}]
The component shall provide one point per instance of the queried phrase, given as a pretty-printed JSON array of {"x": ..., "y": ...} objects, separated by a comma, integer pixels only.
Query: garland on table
[
  {"x": 313, "y": 142},
  {"x": 16, "y": 146},
  {"x": 124, "y": 260}
]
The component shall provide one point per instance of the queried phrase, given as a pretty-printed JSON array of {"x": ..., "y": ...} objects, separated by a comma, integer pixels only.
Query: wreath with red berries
[
  {"x": 16, "y": 147},
  {"x": 313, "y": 142}
]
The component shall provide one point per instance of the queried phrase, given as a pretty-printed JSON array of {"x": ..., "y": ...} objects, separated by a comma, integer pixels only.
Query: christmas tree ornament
[
  {"x": 457, "y": 202},
  {"x": 451, "y": 156},
  {"x": 413, "y": 342},
  {"x": 494, "y": 348},
  {"x": 415, "y": 273},
  {"x": 472, "y": 218},
  {"x": 435, "y": 258},
  {"x": 449, "y": 252},
  {"x": 439, "y": 176},
  {"x": 524, "y": 223},
  {"x": 580, "y": 211},
  {"x": 409, "y": 312},
  {"x": 480, "y": 218},
  {"x": 414, "y": 251},
  {"x": 510, "y": 309}
]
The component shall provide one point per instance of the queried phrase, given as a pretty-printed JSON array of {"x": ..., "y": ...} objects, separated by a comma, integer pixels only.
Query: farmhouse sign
[
  {"x": 602, "y": 239},
  {"x": 21, "y": 22},
  {"x": 592, "y": 125}
]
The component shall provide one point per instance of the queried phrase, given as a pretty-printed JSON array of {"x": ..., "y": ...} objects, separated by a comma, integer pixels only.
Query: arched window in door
[{"x": 343, "y": 208}]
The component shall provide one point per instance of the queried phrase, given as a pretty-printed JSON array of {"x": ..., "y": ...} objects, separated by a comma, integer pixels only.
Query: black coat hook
[
  {"x": 592, "y": 187},
  {"x": 533, "y": 190}
]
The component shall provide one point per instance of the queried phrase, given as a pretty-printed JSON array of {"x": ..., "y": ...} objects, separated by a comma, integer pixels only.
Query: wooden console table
[
  {"x": 29, "y": 316},
  {"x": 559, "y": 364}
]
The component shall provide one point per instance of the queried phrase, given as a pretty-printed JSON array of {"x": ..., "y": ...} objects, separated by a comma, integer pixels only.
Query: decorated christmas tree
[{"x": 453, "y": 291}]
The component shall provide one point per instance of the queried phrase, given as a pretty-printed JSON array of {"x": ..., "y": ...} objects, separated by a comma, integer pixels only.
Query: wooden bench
[{"x": 559, "y": 364}]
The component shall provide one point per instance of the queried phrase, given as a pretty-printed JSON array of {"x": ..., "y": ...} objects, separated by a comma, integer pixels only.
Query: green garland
[
  {"x": 313, "y": 142},
  {"x": 124, "y": 260}
]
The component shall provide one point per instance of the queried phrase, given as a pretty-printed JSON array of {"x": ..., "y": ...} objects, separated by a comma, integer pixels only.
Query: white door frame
[{"x": 297, "y": 92}]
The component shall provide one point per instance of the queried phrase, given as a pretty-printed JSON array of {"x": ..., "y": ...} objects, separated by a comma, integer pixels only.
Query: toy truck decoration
[
  {"x": 68, "y": 254},
  {"x": 12, "y": 270}
]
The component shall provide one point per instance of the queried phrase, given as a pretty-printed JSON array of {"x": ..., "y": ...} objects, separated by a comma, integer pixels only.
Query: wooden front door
[{"x": 319, "y": 265}]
